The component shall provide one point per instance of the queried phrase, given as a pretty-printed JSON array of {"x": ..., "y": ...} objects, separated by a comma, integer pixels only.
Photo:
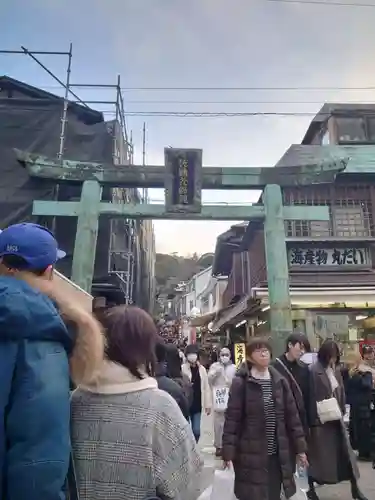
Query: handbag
[{"x": 328, "y": 410}]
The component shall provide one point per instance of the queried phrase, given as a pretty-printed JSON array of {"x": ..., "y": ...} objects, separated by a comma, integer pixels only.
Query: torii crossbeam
[{"x": 183, "y": 179}]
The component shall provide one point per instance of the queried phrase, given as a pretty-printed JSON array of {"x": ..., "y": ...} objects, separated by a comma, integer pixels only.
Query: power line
[
  {"x": 187, "y": 114},
  {"x": 230, "y": 89},
  {"x": 326, "y": 4},
  {"x": 227, "y": 89},
  {"x": 237, "y": 102}
]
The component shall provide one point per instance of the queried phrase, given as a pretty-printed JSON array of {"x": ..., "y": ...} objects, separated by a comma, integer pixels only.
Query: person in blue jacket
[{"x": 34, "y": 370}]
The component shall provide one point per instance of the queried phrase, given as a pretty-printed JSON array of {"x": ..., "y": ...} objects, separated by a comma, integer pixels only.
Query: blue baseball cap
[{"x": 33, "y": 243}]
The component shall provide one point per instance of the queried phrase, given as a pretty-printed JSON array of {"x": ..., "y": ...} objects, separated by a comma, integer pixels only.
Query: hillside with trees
[{"x": 171, "y": 269}]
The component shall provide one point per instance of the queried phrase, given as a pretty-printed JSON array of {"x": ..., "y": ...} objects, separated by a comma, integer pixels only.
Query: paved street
[
  {"x": 342, "y": 491},
  {"x": 339, "y": 492},
  {"x": 208, "y": 451}
]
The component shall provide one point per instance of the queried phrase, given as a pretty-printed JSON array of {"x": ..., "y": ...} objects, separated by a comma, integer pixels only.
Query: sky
[{"x": 253, "y": 44}]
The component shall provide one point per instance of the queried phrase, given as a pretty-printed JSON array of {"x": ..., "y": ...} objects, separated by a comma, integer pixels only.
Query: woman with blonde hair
[{"x": 360, "y": 387}]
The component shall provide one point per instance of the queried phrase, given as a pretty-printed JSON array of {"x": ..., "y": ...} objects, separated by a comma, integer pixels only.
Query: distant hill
[{"x": 172, "y": 269}]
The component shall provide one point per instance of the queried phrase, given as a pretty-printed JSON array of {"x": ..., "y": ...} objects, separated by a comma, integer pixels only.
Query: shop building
[{"x": 331, "y": 263}]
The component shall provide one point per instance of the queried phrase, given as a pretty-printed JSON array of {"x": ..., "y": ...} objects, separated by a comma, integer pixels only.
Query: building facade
[
  {"x": 331, "y": 263},
  {"x": 31, "y": 120}
]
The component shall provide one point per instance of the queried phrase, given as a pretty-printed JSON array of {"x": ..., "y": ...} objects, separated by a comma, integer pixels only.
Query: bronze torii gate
[{"x": 183, "y": 179}]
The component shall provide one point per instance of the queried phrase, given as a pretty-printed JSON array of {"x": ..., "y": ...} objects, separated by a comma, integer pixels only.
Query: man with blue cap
[{"x": 36, "y": 360}]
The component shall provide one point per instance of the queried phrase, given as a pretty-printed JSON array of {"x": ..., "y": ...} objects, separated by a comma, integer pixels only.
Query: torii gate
[{"x": 183, "y": 179}]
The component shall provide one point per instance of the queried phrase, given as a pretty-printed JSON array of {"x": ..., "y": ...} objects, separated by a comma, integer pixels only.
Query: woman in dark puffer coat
[{"x": 263, "y": 435}]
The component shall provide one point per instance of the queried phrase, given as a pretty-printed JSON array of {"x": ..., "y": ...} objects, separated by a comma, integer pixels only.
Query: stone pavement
[
  {"x": 336, "y": 492},
  {"x": 342, "y": 491},
  {"x": 208, "y": 451}
]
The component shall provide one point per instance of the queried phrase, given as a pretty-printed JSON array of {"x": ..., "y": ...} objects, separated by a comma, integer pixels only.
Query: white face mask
[
  {"x": 224, "y": 359},
  {"x": 192, "y": 358}
]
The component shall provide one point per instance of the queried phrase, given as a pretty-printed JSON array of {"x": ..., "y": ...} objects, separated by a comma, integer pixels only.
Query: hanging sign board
[
  {"x": 183, "y": 181},
  {"x": 328, "y": 257},
  {"x": 239, "y": 354}
]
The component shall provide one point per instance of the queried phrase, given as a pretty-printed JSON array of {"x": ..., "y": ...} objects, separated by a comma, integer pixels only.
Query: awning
[
  {"x": 325, "y": 297},
  {"x": 245, "y": 306},
  {"x": 203, "y": 320}
]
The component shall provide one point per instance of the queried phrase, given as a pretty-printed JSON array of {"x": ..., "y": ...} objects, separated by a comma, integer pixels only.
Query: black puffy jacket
[{"x": 173, "y": 388}]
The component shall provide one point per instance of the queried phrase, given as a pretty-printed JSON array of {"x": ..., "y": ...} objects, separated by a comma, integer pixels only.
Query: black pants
[{"x": 274, "y": 478}]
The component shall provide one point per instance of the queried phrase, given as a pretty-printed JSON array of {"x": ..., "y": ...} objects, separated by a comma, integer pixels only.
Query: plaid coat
[{"x": 131, "y": 442}]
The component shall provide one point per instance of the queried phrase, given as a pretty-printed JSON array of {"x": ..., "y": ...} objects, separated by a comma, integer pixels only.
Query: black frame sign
[{"x": 183, "y": 183}]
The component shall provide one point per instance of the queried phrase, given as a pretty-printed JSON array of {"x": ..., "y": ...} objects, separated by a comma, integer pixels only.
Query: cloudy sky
[{"x": 256, "y": 44}]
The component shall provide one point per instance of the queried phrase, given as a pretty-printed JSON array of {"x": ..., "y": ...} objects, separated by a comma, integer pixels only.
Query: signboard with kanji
[
  {"x": 220, "y": 398},
  {"x": 183, "y": 183},
  {"x": 239, "y": 354},
  {"x": 321, "y": 257}
]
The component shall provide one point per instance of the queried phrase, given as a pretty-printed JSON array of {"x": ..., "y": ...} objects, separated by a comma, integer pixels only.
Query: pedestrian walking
[
  {"x": 331, "y": 456},
  {"x": 220, "y": 376},
  {"x": 165, "y": 383},
  {"x": 360, "y": 388},
  {"x": 174, "y": 370},
  {"x": 201, "y": 399},
  {"x": 296, "y": 373},
  {"x": 263, "y": 435},
  {"x": 130, "y": 440},
  {"x": 38, "y": 356}
]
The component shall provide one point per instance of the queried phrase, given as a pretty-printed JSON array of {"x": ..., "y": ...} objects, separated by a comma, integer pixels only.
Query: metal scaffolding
[{"x": 124, "y": 251}]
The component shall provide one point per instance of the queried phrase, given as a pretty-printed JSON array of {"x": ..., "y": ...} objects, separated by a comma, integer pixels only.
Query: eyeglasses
[{"x": 263, "y": 351}]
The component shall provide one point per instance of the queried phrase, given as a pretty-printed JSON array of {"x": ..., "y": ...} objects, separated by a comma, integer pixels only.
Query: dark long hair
[
  {"x": 328, "y": 350},
  {"x": 131, "y": 339},
  {"x": 173, "y": 361}
]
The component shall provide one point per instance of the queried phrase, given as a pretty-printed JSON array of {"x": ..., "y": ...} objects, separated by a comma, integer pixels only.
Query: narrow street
[{"x": 339, "y": 492}]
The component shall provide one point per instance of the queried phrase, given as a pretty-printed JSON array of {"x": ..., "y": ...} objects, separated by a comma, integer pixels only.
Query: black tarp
[{"x": 34, "y": 125}]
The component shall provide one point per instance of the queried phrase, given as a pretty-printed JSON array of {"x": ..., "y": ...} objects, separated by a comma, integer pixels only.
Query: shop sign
[
  {"x": 329, "y": 326},
  {"x": 239, "y": 354},
  {"x": 321, "y": 257}
]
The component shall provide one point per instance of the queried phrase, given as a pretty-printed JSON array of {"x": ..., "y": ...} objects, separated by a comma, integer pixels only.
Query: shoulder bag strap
[{"x": 290, "y": 374}]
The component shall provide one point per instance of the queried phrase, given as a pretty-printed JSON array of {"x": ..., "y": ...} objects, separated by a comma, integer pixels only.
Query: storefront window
[
  {"x": 371, "y": 129},
  {"x": 351, "y": 129},
  {"x": 325, "y": 138}
]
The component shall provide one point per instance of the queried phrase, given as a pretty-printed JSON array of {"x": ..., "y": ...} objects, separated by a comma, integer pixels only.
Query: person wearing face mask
[
  {"x": 220, "y": 376},
  {"x": 201, "y": 397}
]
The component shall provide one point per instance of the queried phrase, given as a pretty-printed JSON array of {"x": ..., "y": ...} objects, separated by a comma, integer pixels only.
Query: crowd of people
[
  {"x": 130, "y": 427},
  {"x": 287, "y": 412}
]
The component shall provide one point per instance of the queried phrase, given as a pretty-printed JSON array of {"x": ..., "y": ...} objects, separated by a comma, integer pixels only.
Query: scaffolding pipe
[
  {"x": 116, "y": 119},
  {"x": 144, "y": 190},
  {"x": 28, "y": 53},
  {"x": 94, "y": 85},
  {"x": 97, "y": 102},
  {"x": 64, "y": 117},
  {"x": 122, "y": 111},
  {"x": 35, "y": 52}
]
